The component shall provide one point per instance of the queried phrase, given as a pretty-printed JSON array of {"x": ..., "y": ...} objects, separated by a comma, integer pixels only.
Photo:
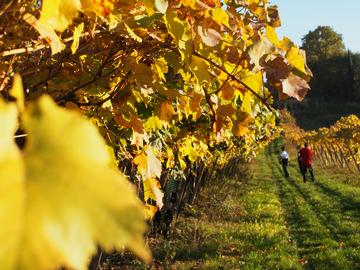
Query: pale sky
[{"x": 298, "y": 17}]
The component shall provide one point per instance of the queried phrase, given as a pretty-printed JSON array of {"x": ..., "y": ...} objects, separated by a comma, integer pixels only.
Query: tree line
[{"x": 336, "y": 70}]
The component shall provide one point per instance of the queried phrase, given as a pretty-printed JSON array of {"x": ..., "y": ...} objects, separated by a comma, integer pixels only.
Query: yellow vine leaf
[
  {"x": 189, "y": 3},
  {"x": 100, "y": 7},
  {"x": 149, "y": 166},
  {"x": 220, "y": 16},
  {"x": 296, "y": 60},
  {"x": 182, "y": 162},
  {"x": 258, "y": 50},
  {"x": 170, "y": 162},
  {"x": 61, "y": 198},
  {"x": 187, "y": 149},
  {"x": 209, "y": 36},
  {"x": 11, "y": 188},
  {"x": 200, "y": 69},
  {"x": 153, "y": 123},
  {"x": 271, "y": 34},
  {"x": 58, "y": 14},
  {"x": 167, "y": 111},
  {"x": 285, "y": 44},
  {"x": 17, "y": 92},
  {"x": 161, "y": 5},
  {"x": 132, "y": 33},
  {"x": 150, "y": 211},
  {"x": 247, "y": 99},
  {"x": 149, "y": 5},
  {"x": 161, "y": 67},
  {"x": 46, "y": 32},
  {"x": 180, "y": 31},
  {"x": 76, "y": 37},
  {"x": 159, "y": 195},
  {"x": 152, "y": 190},
  {"x": 253, "y": 80}
]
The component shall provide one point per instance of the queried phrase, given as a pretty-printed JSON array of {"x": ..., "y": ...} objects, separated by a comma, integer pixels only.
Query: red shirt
[{"x": 306, "y": 156}]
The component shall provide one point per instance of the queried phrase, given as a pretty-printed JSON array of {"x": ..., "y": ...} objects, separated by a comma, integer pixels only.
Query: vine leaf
[
  {"x": 17, "y": 92},
  {"x": 58, "y": 14},
  {"x": 167, "y": 111},
  {"x": 61, "y": 198},
  {"x": 46, "y": 32},
  {"x": 149, "y": 166},
  {"x": 76, "y": 35},
  {"x": 296, "y": 59},
  {"x": 161, "y": 5},
  {"x": 11, "y": 186},
  {"x": 209, "y": 36},
  {"x": 227, "y": 91},
  {"x": 220, "y": 16},
  {"x": 152, "y": 191},
  {"x": 257, "y": 51},
  {"x": 295, "y": 87}
]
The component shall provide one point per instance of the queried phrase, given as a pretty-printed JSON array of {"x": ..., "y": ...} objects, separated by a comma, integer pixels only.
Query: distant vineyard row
[{"x": 337, "y": 145}]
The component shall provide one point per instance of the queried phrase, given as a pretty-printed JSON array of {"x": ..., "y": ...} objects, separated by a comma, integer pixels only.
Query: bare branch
[{"x": 42, "y": 46}]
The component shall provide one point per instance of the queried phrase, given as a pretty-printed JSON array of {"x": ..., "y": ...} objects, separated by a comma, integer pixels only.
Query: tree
[
  {"x": 322, "y": 43},
  {"x": 354, "y": 67},
  {"x": 332, "y": 65}
]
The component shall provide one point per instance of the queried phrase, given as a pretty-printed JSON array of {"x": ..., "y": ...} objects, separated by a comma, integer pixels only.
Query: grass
[
  {"x": 323, "y": 217},
  {"x": 265, "y": 221}
]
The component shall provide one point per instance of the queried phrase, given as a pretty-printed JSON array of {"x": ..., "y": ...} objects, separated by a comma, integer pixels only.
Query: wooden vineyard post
[
  {"x": 344, "y": 157},
  {"x": 353, "y": 158}
]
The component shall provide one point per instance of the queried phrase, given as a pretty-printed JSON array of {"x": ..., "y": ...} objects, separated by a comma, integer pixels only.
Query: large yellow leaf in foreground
[
  {"x": 11, "y": 188},
  {"x": 61, "y": 198}
]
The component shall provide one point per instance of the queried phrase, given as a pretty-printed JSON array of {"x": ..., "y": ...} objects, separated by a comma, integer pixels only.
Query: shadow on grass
[
  {"x": 314, "y": 234},
  {"x": 348, "y": 203}
]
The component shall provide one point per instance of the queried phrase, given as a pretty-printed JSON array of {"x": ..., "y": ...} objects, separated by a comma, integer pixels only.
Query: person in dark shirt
[{"x": 306, "y": 155}]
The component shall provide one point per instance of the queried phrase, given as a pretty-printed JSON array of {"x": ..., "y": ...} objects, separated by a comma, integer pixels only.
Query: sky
[{"x": 298, "y": 17}]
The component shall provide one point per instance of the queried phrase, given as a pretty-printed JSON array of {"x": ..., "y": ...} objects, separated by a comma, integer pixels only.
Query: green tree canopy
[{"x": 323, "y": 43}]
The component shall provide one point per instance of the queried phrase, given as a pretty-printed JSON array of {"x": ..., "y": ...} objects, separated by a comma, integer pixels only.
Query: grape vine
[
  {"x": 180, "y": 91},
  {"x": 337, "y": 145}
]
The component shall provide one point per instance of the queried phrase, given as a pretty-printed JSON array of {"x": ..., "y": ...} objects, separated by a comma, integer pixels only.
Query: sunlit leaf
[
  {"x": 257, "y": 51},
  {"x": 48, "y": 213},
  {"x": 17, "y": 92},
  {"x": 161, "y": 5},
  {"x": 132, "y": 33},
  {"x": 58, "y": 14},
  {"x": 12, "y": 185},
  {"x": 46, "y": 32},
  {"x": 148, "y": 164},
  {"x": 295, "y": 87},
  {"x": 209, "y": 36},
  {"x": 76, "y": 37}
]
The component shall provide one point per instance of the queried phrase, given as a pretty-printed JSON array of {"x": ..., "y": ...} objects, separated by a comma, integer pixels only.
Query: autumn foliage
[
  {"x": 337, "y": 145},
  {"x": 168, "y": 84}
]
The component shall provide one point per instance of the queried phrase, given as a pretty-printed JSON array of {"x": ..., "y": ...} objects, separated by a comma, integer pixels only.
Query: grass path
[
  {"x": 266, "y": 221},
  {"x": 323, "y": 217}
]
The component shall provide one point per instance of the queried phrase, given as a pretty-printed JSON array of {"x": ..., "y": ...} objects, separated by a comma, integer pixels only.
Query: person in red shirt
[
  {"x": 298, "y": 148},
  {"x": 306, "y": 155}
]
